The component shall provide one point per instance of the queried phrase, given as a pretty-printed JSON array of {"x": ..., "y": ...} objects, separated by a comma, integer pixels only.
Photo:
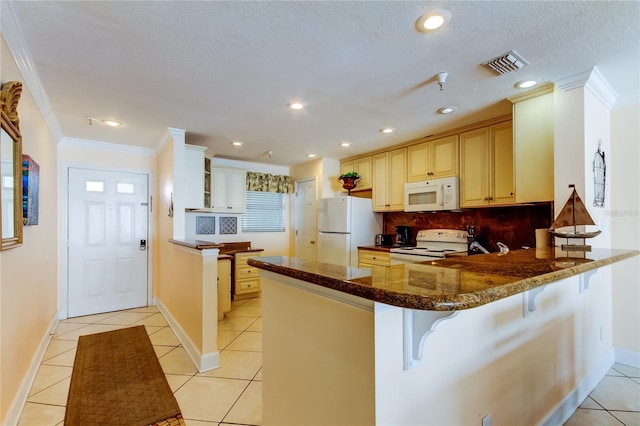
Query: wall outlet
[{"x": 486, "y": 420}]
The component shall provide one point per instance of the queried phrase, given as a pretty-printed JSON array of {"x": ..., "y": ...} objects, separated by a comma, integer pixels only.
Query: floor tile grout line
[{"x": 236, "y": 401}]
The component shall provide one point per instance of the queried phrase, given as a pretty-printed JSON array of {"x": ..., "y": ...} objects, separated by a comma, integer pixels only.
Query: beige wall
[
  {"x": 164, "y": 223},
  {"x": 622, "y": 170},
  {"x": 581, "y": 120},
  {"x": 28, "y": 274}
]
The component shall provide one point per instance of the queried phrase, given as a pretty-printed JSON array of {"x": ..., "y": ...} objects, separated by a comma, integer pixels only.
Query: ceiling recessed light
[
  {"x": 311, "y": 155},
  {"x": 345, "y": 144},
  {"x": 525, "y": 84},
  {"x": 386, "y": 130},
  {"x": 433, "y": 20},
  {"x": 112, "y": 123},
  {"x": 236, "y": 143},
  {"x": 447, "y": 109},
  {"x": 296, "y": 105}
]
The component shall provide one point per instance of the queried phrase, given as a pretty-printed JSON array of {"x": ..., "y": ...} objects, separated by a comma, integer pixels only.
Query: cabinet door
[
  {"x": 347, "y": 166},
  {"x": 220, "y": 189},
  {"x": 474, "y": 168},
  {"x": 444, "y": 157},
  {"x": 397, "y": 172},
  {"x": 533, "y": 148},
  {"x": 207, "y": 179},
  {"x": 363, "y": 167},
  {"x": 502, "y": 184},
  {"x": 379, "y": 183},
  {"x": 418, "y": 167},
  {"x": 237, "y": 191}
]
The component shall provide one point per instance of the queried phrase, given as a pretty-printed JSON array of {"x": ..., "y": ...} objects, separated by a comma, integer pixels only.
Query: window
[{"x": 264, "y": 212}]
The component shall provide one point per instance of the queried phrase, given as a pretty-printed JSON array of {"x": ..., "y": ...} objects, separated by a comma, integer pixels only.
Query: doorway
[
  {"x": 306, "y": 219},
  {"x": 107, "y": 250}
]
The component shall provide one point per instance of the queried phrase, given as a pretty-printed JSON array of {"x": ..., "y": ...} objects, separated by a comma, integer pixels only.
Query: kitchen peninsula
[{"x": 521, "y": 343}]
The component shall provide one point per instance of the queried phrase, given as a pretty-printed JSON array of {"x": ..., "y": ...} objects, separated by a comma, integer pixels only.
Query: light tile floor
[
  {"x": 231, "y": 394},
  {"x": 615, "y": 401}
]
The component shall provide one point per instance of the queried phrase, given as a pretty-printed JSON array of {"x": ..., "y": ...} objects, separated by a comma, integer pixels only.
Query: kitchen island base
[{"x": 334, "y": 358}]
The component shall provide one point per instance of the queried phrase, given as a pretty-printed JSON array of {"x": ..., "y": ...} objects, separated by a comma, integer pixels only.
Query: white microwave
[{"x": 432, "y": 195}]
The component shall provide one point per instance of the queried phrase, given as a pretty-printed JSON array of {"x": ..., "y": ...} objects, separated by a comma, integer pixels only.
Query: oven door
[{"x": 403, "y": 258}]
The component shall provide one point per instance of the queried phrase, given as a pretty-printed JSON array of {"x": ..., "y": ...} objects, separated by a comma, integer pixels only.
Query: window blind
[{"x": 264, "y": 212}]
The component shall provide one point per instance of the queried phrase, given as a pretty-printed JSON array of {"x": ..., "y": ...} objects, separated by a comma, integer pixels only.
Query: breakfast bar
[{"x": 512, "y": 338}]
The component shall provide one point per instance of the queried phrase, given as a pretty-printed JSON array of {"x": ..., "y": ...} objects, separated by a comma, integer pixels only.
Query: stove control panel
[{"x": 443, "y": 235}]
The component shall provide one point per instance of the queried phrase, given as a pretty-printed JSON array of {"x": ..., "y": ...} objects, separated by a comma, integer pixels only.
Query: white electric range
[{"x": 433, "y": 244}]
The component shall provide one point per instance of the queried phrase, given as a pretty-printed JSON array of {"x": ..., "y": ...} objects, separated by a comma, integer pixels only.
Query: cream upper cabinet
[
  {"x": 195, "y": 176},
  {"x": 389, "y": 177},
  {"x": 503, "y": 184},
  {"x": 363, "y": 167},
  {"x": 486, "y": 166},
  {"x": 433, "y": 159},
  {"x": 228, "y": 190},
  {"x": 533, "y": 145}
]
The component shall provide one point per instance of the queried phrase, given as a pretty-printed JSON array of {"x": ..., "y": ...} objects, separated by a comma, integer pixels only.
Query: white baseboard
[
  {"x": 15, "y": 410},
  {"x": 570, "y": 403},
  {"x": 627, "y": 357},
  {"x": 203, "y": 362}
]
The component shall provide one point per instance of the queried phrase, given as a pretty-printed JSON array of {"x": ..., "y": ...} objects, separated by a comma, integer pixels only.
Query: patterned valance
[{"x": 266, "y": 182}]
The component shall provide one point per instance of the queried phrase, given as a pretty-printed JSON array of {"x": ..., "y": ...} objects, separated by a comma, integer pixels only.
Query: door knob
[{"x": 143, "y": 245}]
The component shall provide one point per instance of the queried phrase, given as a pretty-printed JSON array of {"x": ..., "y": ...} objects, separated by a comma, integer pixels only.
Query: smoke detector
[
  {"x": 442, "y": 79},
  {"x": 506, "y": 63}
]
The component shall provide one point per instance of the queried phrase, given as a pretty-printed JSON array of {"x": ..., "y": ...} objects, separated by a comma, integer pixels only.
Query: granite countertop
[
  {"x": 225, "y": 248},
  {"x": 376, "y": 248},
  {"x": 448, "y": 284}
]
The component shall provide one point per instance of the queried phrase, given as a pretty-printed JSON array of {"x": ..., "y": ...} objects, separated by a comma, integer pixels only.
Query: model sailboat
[{"x": 573, "y": 214}]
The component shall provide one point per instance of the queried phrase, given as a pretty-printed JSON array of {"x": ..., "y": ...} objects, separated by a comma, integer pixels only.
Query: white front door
[
  {"x": 107, "y": 248},
  {"x": 306, "y": 226}
]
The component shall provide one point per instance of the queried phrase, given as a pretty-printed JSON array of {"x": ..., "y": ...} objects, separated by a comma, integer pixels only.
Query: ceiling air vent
[{"x": 508, "y": 62}]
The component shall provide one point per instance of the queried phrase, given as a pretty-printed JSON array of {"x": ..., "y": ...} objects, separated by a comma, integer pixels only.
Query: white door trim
[{"x": 63, "y": 232}]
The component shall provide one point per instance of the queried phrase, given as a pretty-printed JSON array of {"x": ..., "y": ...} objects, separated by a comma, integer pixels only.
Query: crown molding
[
  {"x": 13, "y": 36},
  {"x": 533, "y": 93},
  {"x": 105, "y": 146},
  {"x": 594, "y": 81},
  {"x": 601, "y": 88}
]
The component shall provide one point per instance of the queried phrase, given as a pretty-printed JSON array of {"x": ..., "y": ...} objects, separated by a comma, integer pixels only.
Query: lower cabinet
[
  {"x": 373, "y": 258},
  {"x": 224, "y": 287},
  {"x": 247, "y": 278}
]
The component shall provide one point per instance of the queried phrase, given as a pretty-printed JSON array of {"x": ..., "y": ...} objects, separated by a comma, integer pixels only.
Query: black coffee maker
[{"x": 403, "y": 235}]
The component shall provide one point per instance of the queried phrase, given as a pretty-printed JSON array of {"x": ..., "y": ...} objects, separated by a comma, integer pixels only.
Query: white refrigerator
[{"x": 344, "y": 223}]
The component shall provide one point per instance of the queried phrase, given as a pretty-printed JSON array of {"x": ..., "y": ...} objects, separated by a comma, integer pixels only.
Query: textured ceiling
[{"x": 226, "y": 70}]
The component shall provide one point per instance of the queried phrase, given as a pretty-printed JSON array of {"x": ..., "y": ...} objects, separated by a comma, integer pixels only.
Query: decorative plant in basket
[{"x": 349, "y": 180}]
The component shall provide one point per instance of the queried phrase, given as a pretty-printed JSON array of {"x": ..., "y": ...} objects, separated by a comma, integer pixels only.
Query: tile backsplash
[{"x": 513, "y": 225}]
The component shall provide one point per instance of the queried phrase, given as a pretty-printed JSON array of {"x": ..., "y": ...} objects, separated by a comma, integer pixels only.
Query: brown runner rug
[{"x": 117, "y": 380}]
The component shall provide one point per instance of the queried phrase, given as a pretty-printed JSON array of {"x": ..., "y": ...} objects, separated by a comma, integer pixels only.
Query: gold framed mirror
[{"x": 10, "y": 166}]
